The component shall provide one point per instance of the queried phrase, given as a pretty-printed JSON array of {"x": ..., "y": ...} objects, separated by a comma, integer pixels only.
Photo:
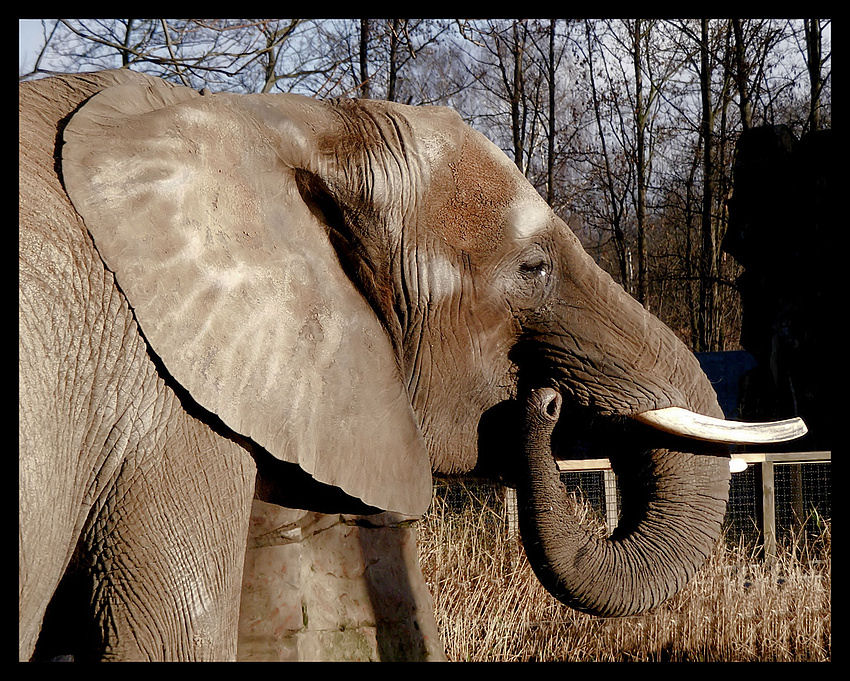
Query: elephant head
[{"x": 354, "y": 285}]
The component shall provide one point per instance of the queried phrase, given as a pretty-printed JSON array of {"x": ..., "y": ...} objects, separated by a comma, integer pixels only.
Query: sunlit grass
[{"x": 490, "y": 606}]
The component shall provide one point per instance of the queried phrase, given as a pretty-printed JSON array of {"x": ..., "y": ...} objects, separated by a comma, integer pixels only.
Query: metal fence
[
  {"x": 776, "y": 499},
  {"x": 779, "y": 497}
]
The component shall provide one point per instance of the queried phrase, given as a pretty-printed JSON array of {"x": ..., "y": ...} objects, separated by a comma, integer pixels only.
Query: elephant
[{"x": 228, "y": 300}]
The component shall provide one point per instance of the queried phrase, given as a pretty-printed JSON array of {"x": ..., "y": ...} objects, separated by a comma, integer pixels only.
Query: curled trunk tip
[
  {"x": 545, "y": 403},
  {"x": 673, "y": 505}
]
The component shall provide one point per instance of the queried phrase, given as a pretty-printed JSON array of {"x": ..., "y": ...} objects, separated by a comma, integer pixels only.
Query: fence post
[
  {"x": 798, "y": 518},
  {"x": 612, "y": 512},
  {"x": 512, "y": 518},
  {"x": 768, "y": 511},
  {"x": 511, "y": 512}
]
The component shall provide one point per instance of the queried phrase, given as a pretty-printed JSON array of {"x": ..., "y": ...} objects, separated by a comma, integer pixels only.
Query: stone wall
[{"x": 334, "y": 587}]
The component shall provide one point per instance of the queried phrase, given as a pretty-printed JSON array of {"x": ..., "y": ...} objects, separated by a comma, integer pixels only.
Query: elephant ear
[{"x": 192, "y": 202}]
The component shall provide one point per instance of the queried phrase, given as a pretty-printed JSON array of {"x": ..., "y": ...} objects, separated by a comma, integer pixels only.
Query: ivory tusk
[{"x": 686, "y": 423}]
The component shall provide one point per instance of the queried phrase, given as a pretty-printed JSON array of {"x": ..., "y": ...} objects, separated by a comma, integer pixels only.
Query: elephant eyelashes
[
  {"x": 534, "y": 269},
  {"x": 532, "y": 280}
]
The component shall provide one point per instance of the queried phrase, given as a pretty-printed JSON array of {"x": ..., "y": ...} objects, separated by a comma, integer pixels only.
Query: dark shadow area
[
  {"x": 287, "y": 485},
  {"x": 67, "y": 631},
  {"x": 783, "y": 232},
  {"x": 389, "y": 555}
]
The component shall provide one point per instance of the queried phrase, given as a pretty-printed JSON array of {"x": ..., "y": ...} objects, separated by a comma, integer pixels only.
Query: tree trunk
[
  {"x": 395, "y": 27},
  {"x": 269, "y": 63},
  {"x": 550, "y": 146},
  {"x": 126, "y": 55},
  {"x": 640, "y": 129},
  {"x": 723, "y": 191},
  {"x": 741, "y": 73},
  {"x": 517, "y": 97},
  {"x": 708, "y": 256},
  {"x": 812, "y": 29},
  {"x": 365, "y": 90}
]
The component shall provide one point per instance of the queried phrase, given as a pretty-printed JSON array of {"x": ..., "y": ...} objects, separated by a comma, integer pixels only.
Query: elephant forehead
[
  {"x": 471, "y": 196},
  {"x": 529, "y": 215}
]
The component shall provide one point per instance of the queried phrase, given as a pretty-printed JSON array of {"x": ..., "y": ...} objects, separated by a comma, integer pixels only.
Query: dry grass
[{"x": 490, "y": 606}]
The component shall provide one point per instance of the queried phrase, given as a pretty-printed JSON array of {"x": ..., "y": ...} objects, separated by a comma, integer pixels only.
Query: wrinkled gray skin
[{"x": 361, "y": 290}]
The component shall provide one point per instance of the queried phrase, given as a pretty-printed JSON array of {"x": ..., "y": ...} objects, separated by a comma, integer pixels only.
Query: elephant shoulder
[
  {"x": 52, "y": 238},
  {"x": 52, "y": 100},
  {"x": 44, "y": 108}
]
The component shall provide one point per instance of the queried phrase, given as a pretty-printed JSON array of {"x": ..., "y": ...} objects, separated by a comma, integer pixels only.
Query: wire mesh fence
[{"x": 802, "y": 499}]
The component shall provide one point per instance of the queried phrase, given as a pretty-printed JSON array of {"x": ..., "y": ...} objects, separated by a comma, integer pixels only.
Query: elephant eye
[
  {"x": 534, "y": 268},
  {"x": 532, "y": 277}
]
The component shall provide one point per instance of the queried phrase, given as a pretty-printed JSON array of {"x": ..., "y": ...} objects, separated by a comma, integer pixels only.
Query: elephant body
[
  {"x": 146, "y": 498},
  {"x": 262, "y": 321},
  {"x": 98, "y": 423}
]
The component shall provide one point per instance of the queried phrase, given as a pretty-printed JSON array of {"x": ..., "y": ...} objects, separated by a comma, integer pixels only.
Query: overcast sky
[{"x": 29, "y": 42}]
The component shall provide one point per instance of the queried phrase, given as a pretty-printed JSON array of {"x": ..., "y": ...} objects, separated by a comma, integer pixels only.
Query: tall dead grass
[{"x": 490, "y": 606}]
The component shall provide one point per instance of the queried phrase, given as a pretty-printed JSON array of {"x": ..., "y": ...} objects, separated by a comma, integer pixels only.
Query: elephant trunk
[{"x": 673, "y": 503}]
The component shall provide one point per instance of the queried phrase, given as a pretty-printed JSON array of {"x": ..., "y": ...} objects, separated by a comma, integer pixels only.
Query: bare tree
[
  {"x": 631, "y": 138},
  {"x": 509, "y": 77},
  {"x": 403, "y": 41},
  {"x": 430, "y": 67},
  {"x": 549, "y": 49},
  {"x": 628, "y": 71},
  {"x": 741, "y": 72},
  {"x": 248, "y": 55},
  {"x": 397, "y": 30},
  {"x": 640, "y": 134},
  {"x": 48, "y": 31},
  {"x": 551, "y": 125},
  {"x": 616, "y": 186},
  {"x": 815, "y": 60},
  {"x": 364, "y": 85}
]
